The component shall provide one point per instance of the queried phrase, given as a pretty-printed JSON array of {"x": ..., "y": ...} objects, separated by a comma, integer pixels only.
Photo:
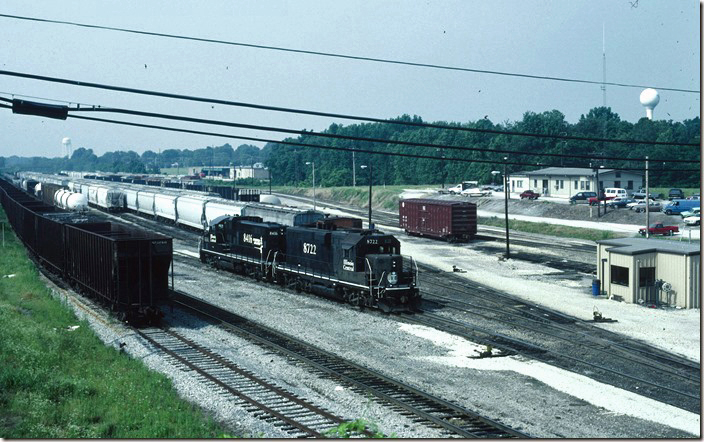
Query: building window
[
  {"x": 617, "y": 183},
  {"x": 581, "y": 185},
  {"x": 619, "y": 275},
  {"x": 646, "y": 277},
  {"x": 535, "y": 184},
  {"x": 588, "y": 183},
  {"x": 618, "y": 174},
  {"x": 630, "y": 185},
  {"x": 562, "y": 184},
  {"x": 576, "y": 185}
]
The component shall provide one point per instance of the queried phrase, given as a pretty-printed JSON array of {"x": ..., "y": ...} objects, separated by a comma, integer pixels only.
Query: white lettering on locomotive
[
  {"x": 310, "y": 249},
  {"x": 372, "y": 241},
  {"x": 248, "y": 238},
  {"x": 347, "y": 265}
]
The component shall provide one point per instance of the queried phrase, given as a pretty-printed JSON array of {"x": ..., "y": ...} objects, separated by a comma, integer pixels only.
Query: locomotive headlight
[{"x": 392, "y": 278}]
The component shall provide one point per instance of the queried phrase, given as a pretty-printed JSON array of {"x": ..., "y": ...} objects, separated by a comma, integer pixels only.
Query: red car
[
  {"x": 530, "y": 195},
  {"x": 660, "y": 229}
]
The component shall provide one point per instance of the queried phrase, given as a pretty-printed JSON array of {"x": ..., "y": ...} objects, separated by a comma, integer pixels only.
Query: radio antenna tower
[{"x": 603, "y": 59}]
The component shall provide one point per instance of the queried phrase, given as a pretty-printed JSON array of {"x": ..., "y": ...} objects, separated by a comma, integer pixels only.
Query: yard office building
[
  {"x": 651, "y": 271},
  {"x": 563, "y": 182}
]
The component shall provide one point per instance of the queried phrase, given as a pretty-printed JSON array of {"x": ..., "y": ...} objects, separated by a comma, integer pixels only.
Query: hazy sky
[{"x": 656, "y": 43}]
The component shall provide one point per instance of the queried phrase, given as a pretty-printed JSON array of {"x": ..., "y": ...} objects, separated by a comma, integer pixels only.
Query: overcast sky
[{"x": 656, "y": 43}]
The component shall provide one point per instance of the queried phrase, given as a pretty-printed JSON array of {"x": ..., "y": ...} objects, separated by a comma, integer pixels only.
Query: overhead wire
[
  {"x": 337, "y": 148},
  {"x": 328, "y": 114},
  {"x": 341, "y": 56},
  {"x": 346, "y": 149},
  {"x": 356, "y": 138}
]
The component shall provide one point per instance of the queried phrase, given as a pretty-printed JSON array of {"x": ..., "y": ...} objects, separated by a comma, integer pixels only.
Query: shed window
[
  {"x": 630, "y": 185},
  {"x": 646, "y": 277},
  {"x": 619, "y": 275}
]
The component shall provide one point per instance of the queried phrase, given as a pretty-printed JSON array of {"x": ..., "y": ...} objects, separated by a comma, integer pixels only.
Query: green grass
[
  {"x": 688, "y": 191},
  {"x": 551, "y": 229},
  {"x": 56, "y": 383}
]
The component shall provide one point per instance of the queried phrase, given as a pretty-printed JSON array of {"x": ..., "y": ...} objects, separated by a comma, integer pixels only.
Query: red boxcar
[{"x": 448, "y": 220}]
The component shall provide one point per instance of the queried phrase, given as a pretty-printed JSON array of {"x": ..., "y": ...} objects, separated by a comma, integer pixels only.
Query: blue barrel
[{"x": 596, "y": 287}]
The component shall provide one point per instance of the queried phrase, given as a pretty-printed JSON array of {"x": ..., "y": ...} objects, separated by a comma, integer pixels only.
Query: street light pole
[
  {"x": 314, "y": 200},
  {"x": 371, "y": 225},
  {"x": 506, "y": 196}
]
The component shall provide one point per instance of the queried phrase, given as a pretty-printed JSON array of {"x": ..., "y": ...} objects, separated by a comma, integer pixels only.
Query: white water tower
[
  {"x": 649, "y": 98},
  {"x": 66, "y": 143}
]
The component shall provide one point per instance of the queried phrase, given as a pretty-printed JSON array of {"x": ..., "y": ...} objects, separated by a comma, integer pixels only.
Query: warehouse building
[
  {"x": 650, "y": 271},
  {"x": 563, "y": 182}
]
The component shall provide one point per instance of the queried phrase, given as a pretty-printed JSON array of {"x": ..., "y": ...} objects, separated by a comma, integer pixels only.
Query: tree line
[
  {"x": 334, "y": 168},
  {"x": 287, "y": 162},
  {"x": 83, "y": 159}
]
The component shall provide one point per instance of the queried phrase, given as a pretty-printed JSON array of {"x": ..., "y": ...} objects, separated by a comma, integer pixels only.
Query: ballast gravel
[{"x": 501, "y": 388}]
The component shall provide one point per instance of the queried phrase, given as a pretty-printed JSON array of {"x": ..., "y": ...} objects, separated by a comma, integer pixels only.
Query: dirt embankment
[
  {"x": 387, "y": 199},
  {"x": 581, "y": 212}
]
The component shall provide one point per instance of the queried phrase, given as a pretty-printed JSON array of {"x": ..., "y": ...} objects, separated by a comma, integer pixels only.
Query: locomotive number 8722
[{"x": 360, "y": 267}]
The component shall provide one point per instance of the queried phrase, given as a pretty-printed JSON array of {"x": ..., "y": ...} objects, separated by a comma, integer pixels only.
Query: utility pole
[
  {"x": 354, "y": 171},
  {"x": 647, "y": 201},
  {"x": 314, "y": 200},
  {"x": 598, "y": 193},
  {"x": 506, "y": 197}
]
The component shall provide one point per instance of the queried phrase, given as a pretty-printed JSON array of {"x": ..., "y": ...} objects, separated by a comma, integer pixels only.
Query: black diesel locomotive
[{"x": 360, "y": 267}]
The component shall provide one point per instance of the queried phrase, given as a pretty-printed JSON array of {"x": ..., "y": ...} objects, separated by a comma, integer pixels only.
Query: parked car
[
  {"x": 582, "y": 197},
  {"x": 639, "y": 206},
  {"x": 475, "y": 191},
  {"x": 675, "y": 194},
  {"x": 686, "y": 213},
  {"x": 455, "y": 189},
  {"x": 693, "y": 197},
  {"x": 613, "y": 192},
  {"x": 620, "y": 202},
  {"x": 530, "y": 195},
  {"x": 660, "y": 229},
  {"x": 680, "y": 205},
  {"x": 693, "y": 220},
  {"x": 640, "y": 194}
]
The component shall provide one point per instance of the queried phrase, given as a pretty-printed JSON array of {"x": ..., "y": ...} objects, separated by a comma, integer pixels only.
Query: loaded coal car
[
  {"x": 243, "y": 244},
  {"x": 363, "y": 268},
  {"x": 123, "y": 268},
  {"x": 126, "y": 269},
  {"x": 451, "y": 221}
]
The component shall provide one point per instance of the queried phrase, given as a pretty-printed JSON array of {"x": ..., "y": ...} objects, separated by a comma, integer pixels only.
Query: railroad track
[
  {"x": 486, "y": 233},
  {"x": 293, "y": 415},
  {"x": 423, "y": 408},
  {"x": 561, "y": 340},
  {"x": 604, "y": 356}
]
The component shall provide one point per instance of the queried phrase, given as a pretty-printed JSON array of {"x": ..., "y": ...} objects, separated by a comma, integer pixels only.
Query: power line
[
  {"x": 338, "y": 55},
  {"x": 344, "y": 149},
  {"x": 355, "y": 138},
  {"x": 327, "y": 114}
]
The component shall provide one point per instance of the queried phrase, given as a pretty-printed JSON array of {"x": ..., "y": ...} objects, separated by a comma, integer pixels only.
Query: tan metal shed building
[{"x": 653, "y": 271}]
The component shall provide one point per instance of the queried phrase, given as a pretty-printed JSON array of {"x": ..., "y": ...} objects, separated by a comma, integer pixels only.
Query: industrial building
[
  {"x": 650, "y": 271},
  {"x": 563, "y": 182},
  {"x": 256, "y": 171}
]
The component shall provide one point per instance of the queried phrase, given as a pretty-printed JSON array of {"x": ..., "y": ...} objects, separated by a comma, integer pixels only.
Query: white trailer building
[
  {"x": 651, "y": 271},
  {"x": 563, "y": 182}
]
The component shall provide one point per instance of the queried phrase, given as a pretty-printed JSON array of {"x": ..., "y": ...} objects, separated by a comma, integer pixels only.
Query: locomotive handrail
[{"x": 371, "y": 276}]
